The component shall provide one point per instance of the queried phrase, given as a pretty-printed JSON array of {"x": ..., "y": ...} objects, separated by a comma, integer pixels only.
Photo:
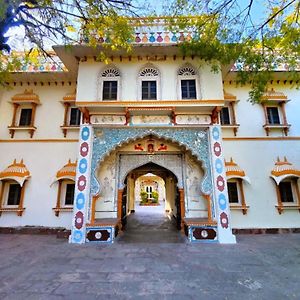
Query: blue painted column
[
  {"x": 82, "y": 185},
  {"x": 220, "y": 194}
]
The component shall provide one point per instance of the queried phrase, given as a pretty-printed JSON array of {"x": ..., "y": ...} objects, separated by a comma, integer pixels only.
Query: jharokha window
[
  {"x": 24, "y": 109},
  {"x": 233, "y": 192},
  {"x": 25, "y": 117},
  {"x": 235, "y": 186},
  {"x": 69, "y": 194},
  {"x": 72, "y": 114},
  {"x": 188, "y": 82},
  {"x": 286, "y": 191},
  {"x": 75, "y": 116},
  {"x": 227, "y": 113},
  {"x": 109, "y": 84},
  {"x": 274, "y": 111},
  {"x": 286, "y": 178},
  {"x": 225, "y": 116},
  {"x": 65, "y": 178},
  {"x": 12, "y": 188},
  {"x": 149, "y": 82},
  {"x": 14, "y": 194},
  {"x": 273, "y": 115}
]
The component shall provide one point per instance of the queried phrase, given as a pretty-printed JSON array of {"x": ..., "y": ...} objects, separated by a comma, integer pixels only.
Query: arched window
[
  {"x": 235, "y": 186},
  {"x": 109, "y": 87},
  {"x": 23, "y": 119},
  {"x": 188, "y": 83},
  {"x": 286, "y": 178},
  {"x": 149, "y": 83},
  {"x": 12, "y": 188},
  {"x": 66, "y": 188}
]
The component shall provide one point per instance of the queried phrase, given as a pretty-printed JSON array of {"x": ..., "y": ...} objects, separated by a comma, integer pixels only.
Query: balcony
[{"x": 154, "y": 112}]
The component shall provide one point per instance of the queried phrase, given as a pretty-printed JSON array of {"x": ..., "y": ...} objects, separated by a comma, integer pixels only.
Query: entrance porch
[{"x": 115, "y": 157}]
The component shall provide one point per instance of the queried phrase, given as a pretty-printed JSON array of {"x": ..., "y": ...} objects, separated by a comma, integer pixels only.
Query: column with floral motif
[
  {"x": 220, "y": 194},
  {"x": 82, "y": 185}
]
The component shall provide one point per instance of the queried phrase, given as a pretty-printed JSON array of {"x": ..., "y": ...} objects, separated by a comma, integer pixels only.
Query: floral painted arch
[{"x": 194, "y": 140}]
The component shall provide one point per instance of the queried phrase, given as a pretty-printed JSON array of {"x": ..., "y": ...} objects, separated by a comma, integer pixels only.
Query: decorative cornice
[
  {"x": 228, "y": 96},
  {"x": 27, "y": 96},
  {"x": 273, "y": 95},
  {"x": 70, "y": 97},
  {"x": 145, "y": 103}
]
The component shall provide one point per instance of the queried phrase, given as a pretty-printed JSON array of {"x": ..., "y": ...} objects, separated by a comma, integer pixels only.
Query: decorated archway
[
  {"x": 204, "y": 144},
  {"x": 193, "y": 140}
]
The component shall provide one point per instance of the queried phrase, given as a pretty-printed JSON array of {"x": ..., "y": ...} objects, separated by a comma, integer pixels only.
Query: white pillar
[
  {"x": 220, "y": 194},
  {"x": 82, "y": 185}
]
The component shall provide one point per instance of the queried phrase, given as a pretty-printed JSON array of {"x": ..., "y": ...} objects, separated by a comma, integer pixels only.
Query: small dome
[
  {"x": 16, "y": 171},
  {"x": 233, "y": 170},
  {"x": 284, "y": 169},
  {"x": 68, "y": 171},
  {"x": 27, "y": 97},
  {"x": 271, "y": 94}
]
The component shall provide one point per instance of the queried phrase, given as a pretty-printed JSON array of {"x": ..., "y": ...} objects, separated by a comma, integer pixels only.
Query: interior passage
[{"x": 150, "y": 224}]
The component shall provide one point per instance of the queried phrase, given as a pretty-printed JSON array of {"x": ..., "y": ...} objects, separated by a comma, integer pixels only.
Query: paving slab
[{"x": 42, "y": 267}]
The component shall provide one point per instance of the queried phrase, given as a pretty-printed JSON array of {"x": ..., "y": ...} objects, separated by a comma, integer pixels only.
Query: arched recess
[
  {"x": 108, "y": 73},
  {"x": 188, "y": 73},
  {"x": 174, "y": 194},
  {"x": 128, "y": 163},
  {"x": 193, "y": 140},
  {"x": 149, "y": 72}
]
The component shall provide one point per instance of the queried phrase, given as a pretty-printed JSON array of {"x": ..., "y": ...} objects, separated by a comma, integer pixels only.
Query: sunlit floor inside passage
[{"x": 151, "y": 224}]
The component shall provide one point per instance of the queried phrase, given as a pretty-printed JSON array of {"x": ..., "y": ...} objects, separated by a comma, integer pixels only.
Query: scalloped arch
[
  {"x": 170, "y": 162},
  {"x": 153, "y": 172},
  {"x": 187, "y": 70},
  {"x": 149, "y": 70},
  {"x": 110, "y": 71},
  {"x": 108, "y": 140},
  {"x": 279, "y": 179}
]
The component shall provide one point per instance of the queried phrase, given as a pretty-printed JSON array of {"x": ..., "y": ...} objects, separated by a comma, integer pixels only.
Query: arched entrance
[
  {"x": 101, "y": 176},
  {"x": 151, "y": 210},
  {"x": 181, "y": 173}
]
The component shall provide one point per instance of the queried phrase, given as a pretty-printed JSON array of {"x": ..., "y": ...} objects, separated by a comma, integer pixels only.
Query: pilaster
[
  {"x": 82, "y": 185},
  {"x": 221, "y": 202}
]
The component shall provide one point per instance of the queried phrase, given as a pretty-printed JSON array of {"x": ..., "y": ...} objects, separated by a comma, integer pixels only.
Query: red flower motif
[
  {"x": 220, "y": 183},
  {"x": 224, "y": 220},
  {"x": 81, "y": 184},
  {"x": 84, "y": 149},
  {"x": 217, "y": 149},
  {"x": 79, "y": 220}
]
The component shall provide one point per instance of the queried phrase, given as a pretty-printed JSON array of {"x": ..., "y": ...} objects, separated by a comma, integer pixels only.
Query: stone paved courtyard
[{"x": 44, "y": 267}]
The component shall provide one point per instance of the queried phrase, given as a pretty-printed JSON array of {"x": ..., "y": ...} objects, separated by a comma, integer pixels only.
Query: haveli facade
[{"x": 75, "y": 143}]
